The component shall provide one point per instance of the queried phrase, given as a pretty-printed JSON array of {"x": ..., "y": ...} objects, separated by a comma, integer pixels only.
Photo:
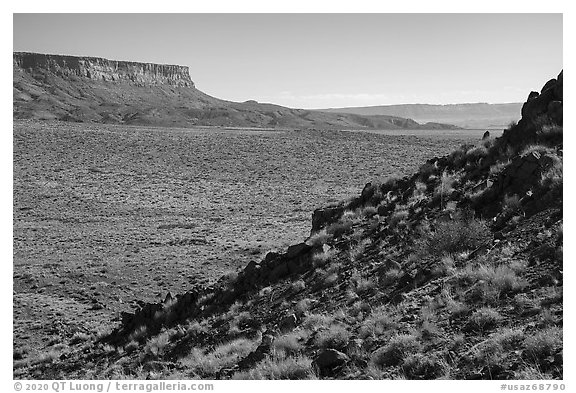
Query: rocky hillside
[
  {"x": 88, "y": 89},
  {"x": 473, "y": 116},
  {"x": 454, "y": 272}
]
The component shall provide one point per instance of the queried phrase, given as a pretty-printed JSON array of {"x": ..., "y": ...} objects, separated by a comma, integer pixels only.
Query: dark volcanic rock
[{"x": 328, "y": 360}]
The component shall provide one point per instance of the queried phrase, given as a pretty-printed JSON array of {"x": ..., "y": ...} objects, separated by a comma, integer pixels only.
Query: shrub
[
  {"x": 272, "y": 369},
  {"x": 398, "y": 348},
  {"x": 335, "y": 336}
]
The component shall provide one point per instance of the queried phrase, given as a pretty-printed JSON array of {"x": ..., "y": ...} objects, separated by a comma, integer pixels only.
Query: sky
[{"x": 322, "y": 60}]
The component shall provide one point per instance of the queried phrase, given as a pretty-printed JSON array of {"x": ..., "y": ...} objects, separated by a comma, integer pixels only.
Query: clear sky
[{"x": 322, "y": 60}]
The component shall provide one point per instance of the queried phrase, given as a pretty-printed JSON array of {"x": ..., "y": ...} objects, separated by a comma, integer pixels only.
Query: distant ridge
[
  {"x": 92, "y": 89},
  {"x": 470, "y": 115}
]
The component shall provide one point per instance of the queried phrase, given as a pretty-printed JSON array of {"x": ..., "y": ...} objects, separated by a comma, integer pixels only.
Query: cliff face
[{"x": 106, "y": 70}]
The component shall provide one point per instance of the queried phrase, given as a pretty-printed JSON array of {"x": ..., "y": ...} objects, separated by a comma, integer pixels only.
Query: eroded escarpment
[{"x": 99, "y": 69}]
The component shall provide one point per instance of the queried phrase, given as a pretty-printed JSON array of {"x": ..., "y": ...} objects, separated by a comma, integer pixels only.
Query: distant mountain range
[
  {"x": 475, "y": 116},
  {"x": 90, "y": 89}
]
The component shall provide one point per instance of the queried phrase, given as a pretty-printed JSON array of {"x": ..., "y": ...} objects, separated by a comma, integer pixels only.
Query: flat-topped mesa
[{"x": 96, "y": 68}]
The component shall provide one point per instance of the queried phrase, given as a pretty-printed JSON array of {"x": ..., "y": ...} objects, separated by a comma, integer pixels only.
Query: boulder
[
  {"x": 329, "y": 360},
  {"x": 288, "y": 323},
  {"x": 297, "y": 250}
]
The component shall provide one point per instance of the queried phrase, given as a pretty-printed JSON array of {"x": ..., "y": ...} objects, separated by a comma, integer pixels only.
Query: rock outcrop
[
  {"x": 540, "y": 109},
  {"x": 99, "y": 69}
]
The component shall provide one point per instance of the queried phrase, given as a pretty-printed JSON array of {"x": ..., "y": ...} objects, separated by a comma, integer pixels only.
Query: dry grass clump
[
  {"x": 335, "y": 336},
  {"x": 314, "y": 321},
  {"x": 461, "y": 234},
  {"x": 157, "y": 346},
  {"x": 484, "y": 319},
  {"x": 358, "y": 250},
  {"x": 544, "y": 343},
  {"x": 398, "y": 348},
  {"x": 289, "y": 344},
  {"x": 398, "y": 219},
  {"x": 280, "y": 368},
  {"x": 379, "y": 322},
  {"x": 323, "y": 258},
  {"x": 424, "y": 366},
  {"x": 339, "y": 228},
  {"x": 319, "y": 238},
  {"x": 201, "y": 363},
  {"x": 552, "y": 178},
  {"x": 487, "y": 283}
]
